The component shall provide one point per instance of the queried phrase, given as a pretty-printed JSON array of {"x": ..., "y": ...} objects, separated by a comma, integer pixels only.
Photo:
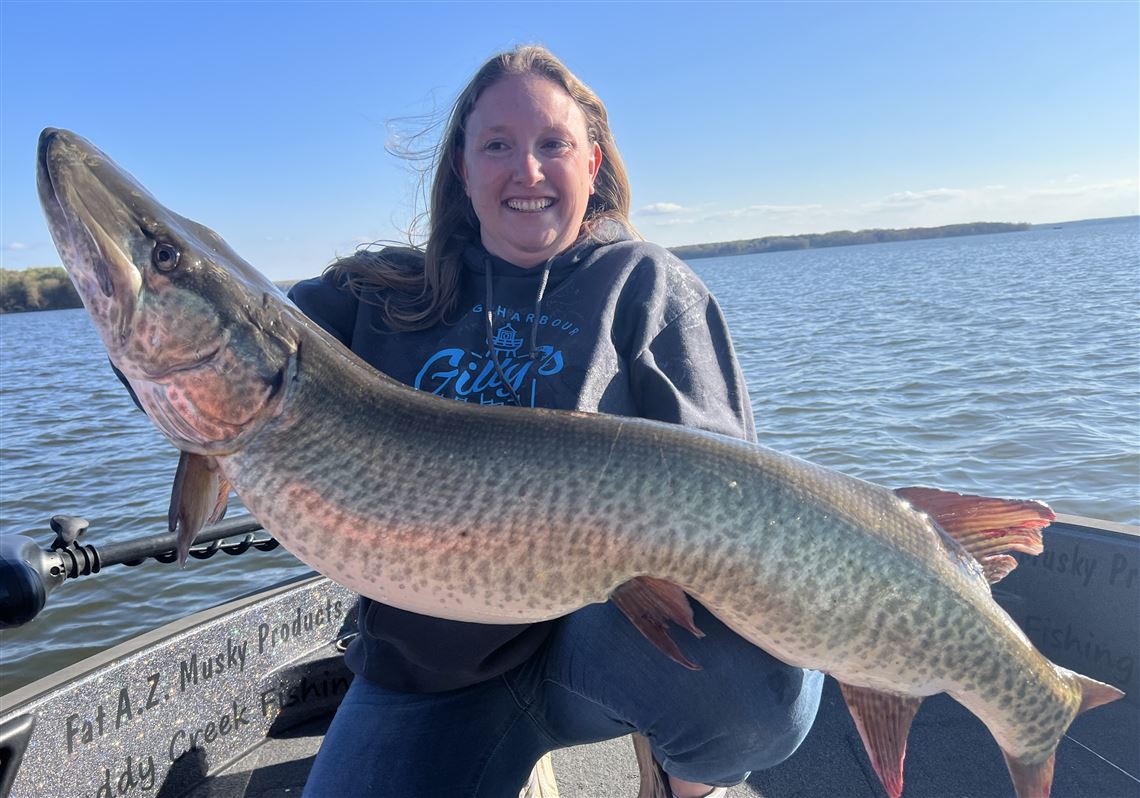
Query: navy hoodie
[{"x": 621, "y": 326}]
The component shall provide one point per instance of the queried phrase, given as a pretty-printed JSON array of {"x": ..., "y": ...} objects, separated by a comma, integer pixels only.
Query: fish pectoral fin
[
  {"x": 197, "y": 498},
  {"x": 1031, "y": 779},
  {"x": 883, "y": 720},
  {"x": 650, "y": 603},
  {"x": 987, "y": 528}
]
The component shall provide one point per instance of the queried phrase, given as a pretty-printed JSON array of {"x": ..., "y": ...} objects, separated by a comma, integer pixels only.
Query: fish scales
[
  {"x": 823, "y": 551},
  {"x": 505, "y": 515}
]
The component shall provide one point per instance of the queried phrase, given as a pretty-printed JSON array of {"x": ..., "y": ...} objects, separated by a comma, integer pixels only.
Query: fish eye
[{"x": 164, "y": 256}]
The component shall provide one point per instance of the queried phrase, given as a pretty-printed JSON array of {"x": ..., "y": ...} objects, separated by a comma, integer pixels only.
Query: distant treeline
[
  {"x": 840, "y": 238},
  {"x": 47, "y": 288},
  {"x": 50, "y": 289}
]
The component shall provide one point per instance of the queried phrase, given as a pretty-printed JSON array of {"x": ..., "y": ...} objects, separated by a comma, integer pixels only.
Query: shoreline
[{"x": 65, "y": 298}]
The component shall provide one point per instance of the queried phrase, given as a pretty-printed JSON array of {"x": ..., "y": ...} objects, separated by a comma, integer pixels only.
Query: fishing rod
[{"x": 29, "y": 572}]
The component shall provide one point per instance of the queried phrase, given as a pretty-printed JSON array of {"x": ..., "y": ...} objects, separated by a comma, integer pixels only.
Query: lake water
[{"x": 1005, "y": 364}]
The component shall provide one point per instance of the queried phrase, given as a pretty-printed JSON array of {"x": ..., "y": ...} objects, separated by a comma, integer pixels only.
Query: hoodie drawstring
[{"x": 489, "y": 319}]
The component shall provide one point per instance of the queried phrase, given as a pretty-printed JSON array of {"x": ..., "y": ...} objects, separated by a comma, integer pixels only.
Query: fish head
[{"x": 195, "y": 330}]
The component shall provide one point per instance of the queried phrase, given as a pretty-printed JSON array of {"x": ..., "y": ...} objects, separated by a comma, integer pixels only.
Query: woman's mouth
[{"x": 530, "y": 205}]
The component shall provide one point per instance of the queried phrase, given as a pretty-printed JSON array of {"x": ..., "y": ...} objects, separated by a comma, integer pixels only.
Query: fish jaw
[
  {"x": 83, "y": 217},
  {"x": 190, "y": 325}
]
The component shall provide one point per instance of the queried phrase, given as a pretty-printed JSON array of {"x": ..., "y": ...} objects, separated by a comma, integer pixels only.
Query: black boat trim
[{"x": 14, "y": 735}]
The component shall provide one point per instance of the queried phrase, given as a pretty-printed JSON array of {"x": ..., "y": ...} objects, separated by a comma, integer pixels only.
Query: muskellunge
[{"x": 505, "y": 515}]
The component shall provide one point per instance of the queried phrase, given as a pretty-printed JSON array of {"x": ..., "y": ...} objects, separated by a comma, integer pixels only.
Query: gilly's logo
[{"x": 472, "y": 377}]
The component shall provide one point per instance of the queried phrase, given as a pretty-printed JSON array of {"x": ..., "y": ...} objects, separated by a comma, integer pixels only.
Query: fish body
[{"x": 509, "y": 515}]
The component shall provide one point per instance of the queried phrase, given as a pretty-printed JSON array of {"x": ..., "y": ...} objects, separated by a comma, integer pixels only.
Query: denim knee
[
  {"x": 747, "y": 735},
  {"x": 744, "y": 710},
  {"x": 785, "y": 731}
]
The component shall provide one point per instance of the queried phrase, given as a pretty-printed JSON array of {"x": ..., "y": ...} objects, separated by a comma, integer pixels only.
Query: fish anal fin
[
  {"x": 197, "y": 498},
  {"x": 883, "y": 720},
  {"x": 987, "y": 528},
  {"x": 650, "y": 604},
  {"x": 1031, "y": 779}
]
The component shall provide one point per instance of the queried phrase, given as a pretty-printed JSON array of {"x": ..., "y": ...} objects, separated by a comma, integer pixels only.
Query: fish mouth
[
  {"x": 91, "y": 227},
  {"x": 49, "y": 199},
  {"x": 61, "y": 223},
  {"x": 76, "y": 192}
]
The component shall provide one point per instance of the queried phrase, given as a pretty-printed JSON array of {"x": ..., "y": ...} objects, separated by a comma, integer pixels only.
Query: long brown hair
[{"x": 414, "y": 298}]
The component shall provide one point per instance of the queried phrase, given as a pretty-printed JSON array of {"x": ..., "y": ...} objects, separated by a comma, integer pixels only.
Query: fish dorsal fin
[
  {"x": 883, "y": 720},
  {"x": 649, "y": 604},
  {"x": 197, "y": 498},
  {"x": 988, "y": 528}
]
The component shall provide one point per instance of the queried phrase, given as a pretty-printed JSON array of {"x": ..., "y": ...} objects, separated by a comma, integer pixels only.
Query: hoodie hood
[{"x": 606, "y": 231}]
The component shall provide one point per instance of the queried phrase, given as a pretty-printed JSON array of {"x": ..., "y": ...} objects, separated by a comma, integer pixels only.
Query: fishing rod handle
[{"x": 29, "y": 572}]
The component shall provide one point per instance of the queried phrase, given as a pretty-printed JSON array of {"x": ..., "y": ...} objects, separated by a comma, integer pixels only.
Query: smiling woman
[
  {"x": 533, "y": 291},
  {"x": 528, "y": 166},
  {"x": 424, "y": 295}
]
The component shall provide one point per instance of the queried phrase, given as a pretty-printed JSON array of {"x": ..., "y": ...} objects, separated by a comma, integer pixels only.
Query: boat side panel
[
  {"x": 184, "y": 701},
  {"x": 1077, "y": 601}
]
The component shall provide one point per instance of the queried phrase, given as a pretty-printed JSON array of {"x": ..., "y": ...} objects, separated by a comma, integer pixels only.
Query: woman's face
[{"x": 528, "y": 166}]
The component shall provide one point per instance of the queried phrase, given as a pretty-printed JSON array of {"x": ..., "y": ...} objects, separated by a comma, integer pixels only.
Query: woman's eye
[
  {"x": 557, "y": 145},
  {"x": 495, "y": 146}
]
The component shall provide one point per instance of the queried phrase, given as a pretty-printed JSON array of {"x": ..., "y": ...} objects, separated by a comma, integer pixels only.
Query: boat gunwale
[
  {"x": 1096, "y": 525},
  {"x": 10, "y": 703}
]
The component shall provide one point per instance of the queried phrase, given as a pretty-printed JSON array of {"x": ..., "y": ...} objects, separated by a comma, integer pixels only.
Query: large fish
[{"x": 506, "y": 515}]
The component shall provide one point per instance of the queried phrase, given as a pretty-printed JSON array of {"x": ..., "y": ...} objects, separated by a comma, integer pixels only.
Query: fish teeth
[{"x": 530, "y": 204}]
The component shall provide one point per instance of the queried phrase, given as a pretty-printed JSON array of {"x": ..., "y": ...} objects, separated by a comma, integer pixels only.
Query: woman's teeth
[{"x": 530, "y": 205}]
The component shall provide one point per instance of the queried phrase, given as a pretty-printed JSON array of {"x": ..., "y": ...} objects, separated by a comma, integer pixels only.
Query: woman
[{"x": 532, "y": 291}]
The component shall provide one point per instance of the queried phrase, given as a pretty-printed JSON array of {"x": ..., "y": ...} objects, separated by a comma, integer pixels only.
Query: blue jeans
[{"x": 596, "y": 678}]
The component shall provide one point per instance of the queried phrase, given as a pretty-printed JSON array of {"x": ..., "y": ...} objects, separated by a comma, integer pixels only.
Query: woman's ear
[{"x": 595, "y": 164}]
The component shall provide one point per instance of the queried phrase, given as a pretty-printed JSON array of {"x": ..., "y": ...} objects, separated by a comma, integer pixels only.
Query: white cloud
[
  {"x": 923, "y": 197},
  {"x": 764, "y": 210},
  {"x": 663, "y": 209},
  {"x": 1063, "y": 197},
  {"x": 1111, "y": 188},
  {"x": 16, "y": 246}
]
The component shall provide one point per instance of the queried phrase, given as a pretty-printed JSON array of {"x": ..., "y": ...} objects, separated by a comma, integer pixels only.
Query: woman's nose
[{"x": 528, "y": 169}]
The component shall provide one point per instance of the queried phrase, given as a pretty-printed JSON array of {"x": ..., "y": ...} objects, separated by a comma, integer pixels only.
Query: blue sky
[{"x": 268, "y": 121}]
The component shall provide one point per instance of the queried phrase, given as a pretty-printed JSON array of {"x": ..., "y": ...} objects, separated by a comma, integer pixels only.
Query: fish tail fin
[
  {"x": 1031, "y": 779},
  {"x": 1034, "y": 778},
  {"x": 883, "y": 720}
]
